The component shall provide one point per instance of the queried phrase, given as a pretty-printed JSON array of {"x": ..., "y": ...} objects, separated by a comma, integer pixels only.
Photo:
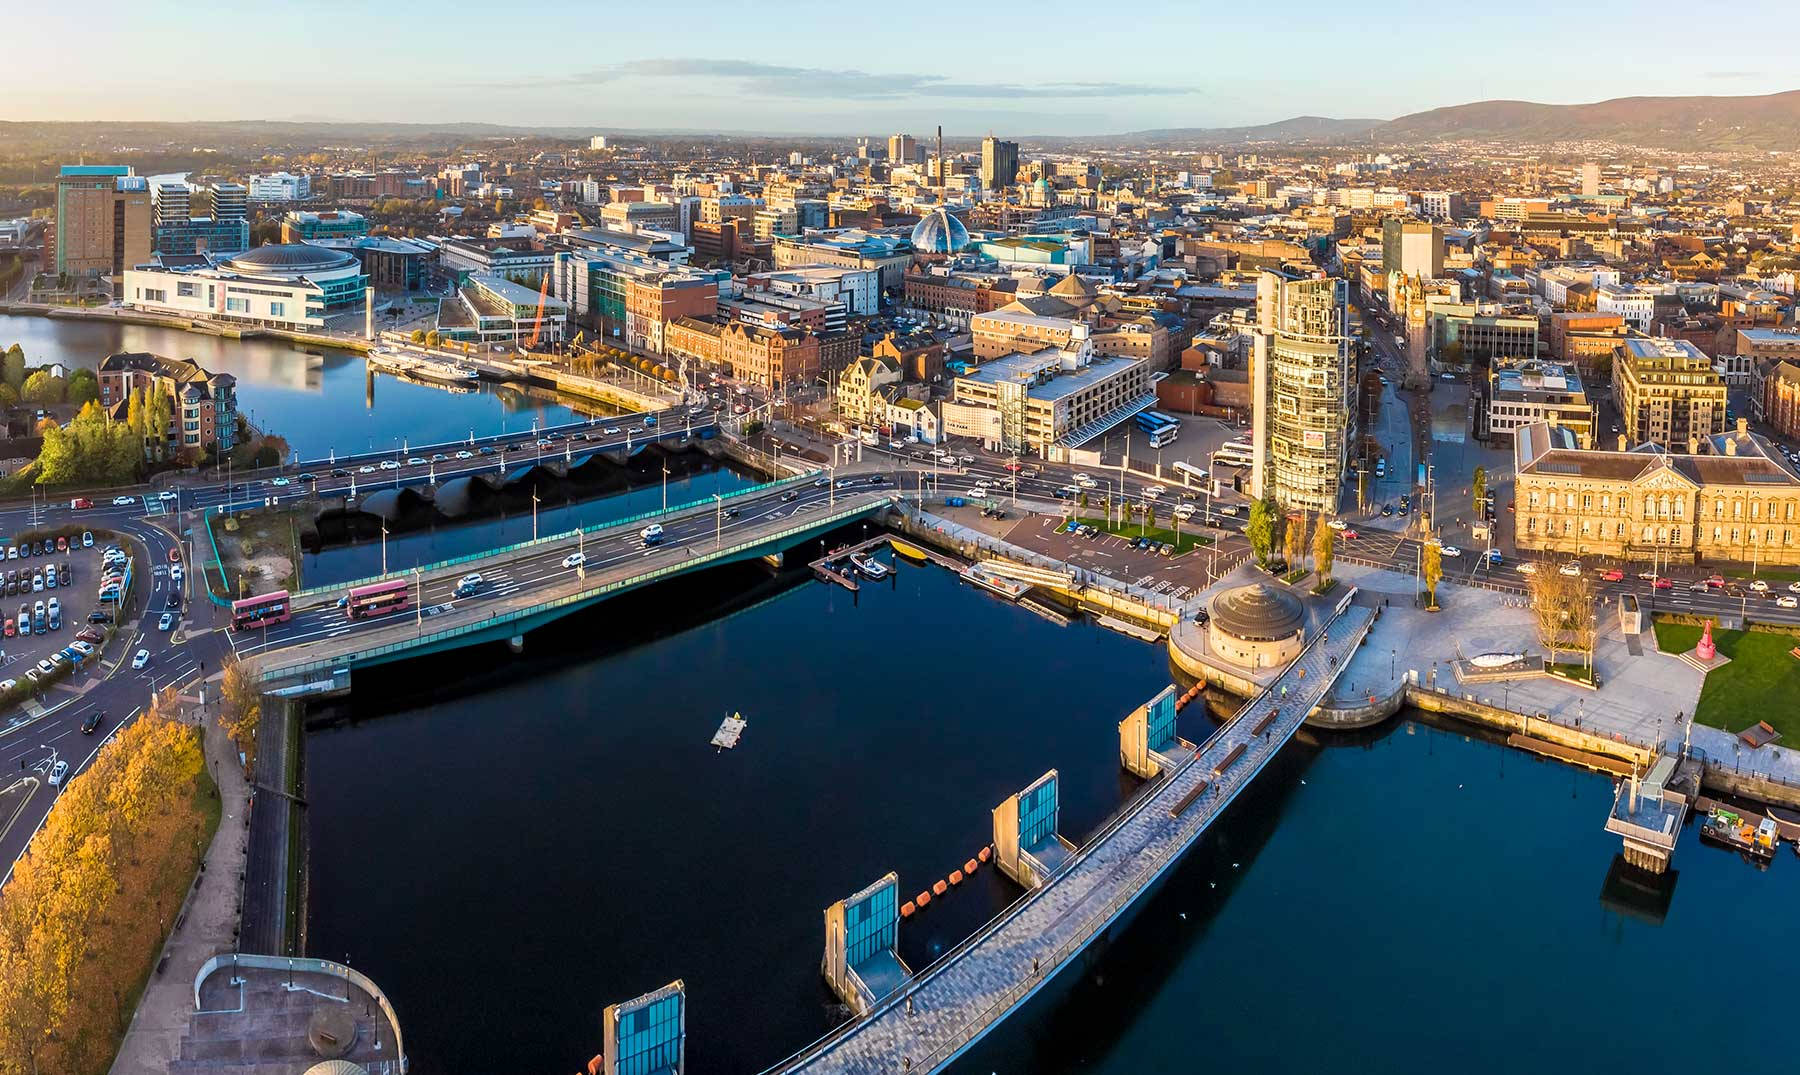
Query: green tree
[
  {"x": 1082, "y": 499},
  {"x": 57, "y": 464},
  {"x": 1149, "y": 517},
  {"x": 12, "y": 367},
  {"x": 1261, "y": 529},
  {"x": 41, "y": 388},
  {"x": 1431, "y": 570},
  {"x": 9, "y": 396},
  {"x": 84, "y": 386},
  {"x": 1324, "y": 549},
  {"x": 1479, "y": 489}
]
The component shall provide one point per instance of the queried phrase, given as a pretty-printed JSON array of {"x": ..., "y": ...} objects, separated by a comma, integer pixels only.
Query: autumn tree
[
  {"x": 1296, "y": 541},
  {"x": 1260, "y": 529},
  {"x": 12, "y": 367},
  {"x": 1478, "y": 489},
  {"x": 1431, "y": 571},
  {"x": 84, "y": 386},
  {"x": 1324, "y": 551},
  {"x": 240, "y": 706},
  {"x": 42, "y": 387}
]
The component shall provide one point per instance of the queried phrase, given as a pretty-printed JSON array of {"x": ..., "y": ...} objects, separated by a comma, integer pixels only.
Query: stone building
[{"x": 1667, "y": 391}]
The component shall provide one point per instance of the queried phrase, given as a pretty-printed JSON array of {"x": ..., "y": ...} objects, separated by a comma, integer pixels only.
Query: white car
[
  {"x": 1526, "y": 567},
  {"x": 1571, "y": 568},
  {"x": 176, "y": 574},
  {"x": 86, "y": 649},
  {"x": 897, "y": 445},
  {"x": 1153, "y": 492},
  {"x": 1787, "y": 601},
  {"x": 575, "y": 559},
  {"x": 1084, "y": 481},
  {"x": 58, "y": 772},
  {"x": 1185, "y": 511},
  {"x": 465, "y": 454},
  {"x": 167, "y": 622},
  {"x": 389, "y": 464},
  {"x": 124, "y": 501},
  {"x": 280, "y": 481},
  {"x": 1337, "y": 524},
  {"x": 612, "y": 431},
  {"x": 140, "y": 660},
  {"x": 415, "y": 461},
  {"x": 1759, "y": 585},
  {"x": 365, "y": 469},
  {"x": 167, "y": 494},
  {"x": 1449, "y": 552}
]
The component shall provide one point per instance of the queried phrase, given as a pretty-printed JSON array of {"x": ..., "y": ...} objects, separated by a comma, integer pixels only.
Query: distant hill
[
  {"x": 1298, "y": 129},
  {"x": 1771, "y": 121}
]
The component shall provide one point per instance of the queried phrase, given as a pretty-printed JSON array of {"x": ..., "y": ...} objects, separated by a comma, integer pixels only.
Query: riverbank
[{"x": 121, "y": 315}]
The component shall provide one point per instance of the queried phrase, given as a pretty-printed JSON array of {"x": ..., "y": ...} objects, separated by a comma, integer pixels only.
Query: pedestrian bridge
[{"x": 1074, "y": 898}]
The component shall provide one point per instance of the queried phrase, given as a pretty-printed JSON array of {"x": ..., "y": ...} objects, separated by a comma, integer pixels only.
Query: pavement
[{"x": 207, "y": 925}]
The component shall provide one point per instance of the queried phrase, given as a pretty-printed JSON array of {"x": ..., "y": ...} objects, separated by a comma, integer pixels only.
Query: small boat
[
  {"x": 911, "y": 552},
  {"x": 869, "y": 567}
]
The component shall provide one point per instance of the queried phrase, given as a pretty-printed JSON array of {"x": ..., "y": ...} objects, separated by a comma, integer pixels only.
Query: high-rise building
[
  {"x": 598, "y": 141},
  {"x": 999, "y": 163},
  {"x": 1590, "y": 179},
  {"x": 1667, "y": 393},
  {"x": 191, "y": 219},
  {"x": 1412, "y": 247},
  {"x": 902, "y": 149},
  {"x": 102, "y": 219},
  {"x": 1301, "y": 390}
]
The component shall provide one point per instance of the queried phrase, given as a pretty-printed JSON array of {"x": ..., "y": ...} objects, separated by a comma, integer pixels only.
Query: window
[
  {"x": 187, "y": 289},
  {"x": 277, "y": 309},
  {"x": 237, "y": 306}
]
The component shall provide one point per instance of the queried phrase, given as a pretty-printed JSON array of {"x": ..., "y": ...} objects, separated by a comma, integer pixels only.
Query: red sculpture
[{"x": 1705, "y": 650}]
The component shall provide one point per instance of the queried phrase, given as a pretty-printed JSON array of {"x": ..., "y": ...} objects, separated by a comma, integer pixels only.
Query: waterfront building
[
  {"x": 1667, "y": 392},
  {"x": 1256, "y": 626},
  {"x": 290, "y": 286},
  {"x": 1725, "y": 499},
  {"x": 102, "y": 220},
  {"x": 770, "y": 357},
  {"x": 630, "y": 299},
  {"x": 391, "y": 262},
  {"x": 303, "y": 226},
  {"x": 280, "y": 187},
  {"x": 180, "y": 228},
  {"x": 462, "y": 258},
  {"x": 1520, "y": 393},
  {"x": 1301, "y": 391},
  {"x": 203, "y": 405},
  {"x": 1049, "y": 400},
  {"x": 488, "y": 308}
]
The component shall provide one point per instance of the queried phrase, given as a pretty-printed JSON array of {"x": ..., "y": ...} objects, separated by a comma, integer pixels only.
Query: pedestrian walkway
[{"x": 206, "y": 926}]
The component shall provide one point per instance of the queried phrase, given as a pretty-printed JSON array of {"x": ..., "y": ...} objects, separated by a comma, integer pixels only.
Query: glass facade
[
  {"x": 1160, "y": 723},
  {"x": 650, "y": 1037},
  {"x": 1037, "y": 811},
  {"x": 1309, "y": 389},
  {"x": 872, "y": 922}
]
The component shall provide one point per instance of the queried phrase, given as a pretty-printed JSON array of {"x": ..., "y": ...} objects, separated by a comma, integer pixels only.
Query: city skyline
[{"x": 847, "y": 75}]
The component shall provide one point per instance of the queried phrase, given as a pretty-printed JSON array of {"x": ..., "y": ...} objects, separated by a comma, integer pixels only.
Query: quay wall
[{"x": 125, "y": 316}]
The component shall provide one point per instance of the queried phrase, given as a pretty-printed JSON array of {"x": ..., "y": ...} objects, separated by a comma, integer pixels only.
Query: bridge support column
[
  {"x": 773, "y": 560},
  {"x": 861, "y": 933},
  {"x": 1147, "y": 733},
  {"x": 1026, "y": 845},
  {"x": 648, "y": 1033},
  {"x": 516, "y": 643}
]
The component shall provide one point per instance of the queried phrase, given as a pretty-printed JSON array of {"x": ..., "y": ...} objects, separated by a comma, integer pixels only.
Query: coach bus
[
  {"x": 1235, "y": 453},
  {"x": 378, "y": 598},
  {"x": 263, "y": 610},
  {"x": 1189, "y": 473},
  {"x": 1161, "y": 428}
]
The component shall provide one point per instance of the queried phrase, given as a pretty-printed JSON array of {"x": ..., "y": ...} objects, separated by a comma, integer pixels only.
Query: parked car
[{"x": 87, "y": 539}]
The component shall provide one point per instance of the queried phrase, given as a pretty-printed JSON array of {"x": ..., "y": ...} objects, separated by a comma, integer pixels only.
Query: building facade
[
  {"x": 999, "y": 163},
  {"x": 103, "y": 217},
  {"x": 277, "y": 285},
  {"x": 1054, "y": 398},
  {"x": 1522, "y": 393},
  {"x": 203, "y": 410},
  {"x": 280, "y": 187},
  {"x": 1667, "y": 392},
  {"x": 1301, "y": 391},
  {"x": 301, "y": 226}
]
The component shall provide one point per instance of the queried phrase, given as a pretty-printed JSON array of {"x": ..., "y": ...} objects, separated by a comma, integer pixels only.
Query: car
[
  {"x": 140, "y": 659},
  {"x": 62, "y": 543},
  {"x": 37, "y": 548},
  {"x": 88, "y": 634},
  {"x": 439, "y": 457},
  {"x": 91, "y": 723},
  {"x": 174, "y": 554},
  {"x": 50, "y": 578},
  {"x": 280, "y": 481},
  {"x": 1698, "y": 586},
  {"x": 414, "y": 461},
  {"x": 790, "y": 496},
  {"x": 307, "y": 476},
  {"x": 173, "y": 600},
  {"x": 465, "y": 454},
  {"x": 1387, "y": 510},
  {"x": 99, "y": 616},
  {"x": 1348, "y": 535},
  {"x": 1648, "y": 575},
  {"x": 1717, "y": 582},
  {"x": 1759, "y": 586},
  {"x": 897, "y": 445},
  {"x": 1661, "y": 583},
  {"x": 44, "y": 667},
  {"x": 574, "y": 559},
  {"x": 339, "y": 472},
  {"x": 83, "y": 648},
  {"x": 1794, "y": 587},
  {"x": 124, "y": 501},
  {"x": 612, "y": 431},
  {"x": 1570, "y": 568},
  {"x": 11, "y": 628},
  {"x": 1337, "y": 524},
  {"x": 167, "y": 622},
  {"x": 58, "y": 773},
  {"x": 365, "y": 469},
  {"x": 87, "y": 539},
  {"x": 469, "y": 583},
  {"x": 37, "y": 582},
  {"x": 1787, "y": 601},
  {"x": 1612, "y": 575},
  {"x": 732, "y": 513},
  {"x": 1276, "y": 567},
  {"x": 1526, "y": 567},
  {"x": 1449, "y": 552},
  {"x": 168, "y": 494},
  {"x": 12, "y": 552},
  {"x": 1163, "y": 548},
  {"x": 389, "y": 464},
  {"x": 176, "y": 574}
]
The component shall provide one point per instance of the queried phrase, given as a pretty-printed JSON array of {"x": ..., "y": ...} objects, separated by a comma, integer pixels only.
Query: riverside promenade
[{"x": 951, "y": 1004}]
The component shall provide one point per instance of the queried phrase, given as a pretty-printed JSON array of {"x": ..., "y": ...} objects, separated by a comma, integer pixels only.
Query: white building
[
  {"x": 859, "y": 290},
  {"x": 1554, "y": 282},
  {"x": 280, "y": 286},
  {"x": 1636, "y": 306},
  {"x": 280, "y": 187}
]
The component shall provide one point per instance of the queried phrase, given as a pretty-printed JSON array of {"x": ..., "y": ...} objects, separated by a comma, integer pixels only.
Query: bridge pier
[
  {"x": 648, "y": 1033},
  {"x": 1147, "y": 739},
  {"x": 862, "y": 962},
  {"x": 1026, "y": 845},
  {"x": 516, "y": 643},
  {"x": 774, "y": 560}
]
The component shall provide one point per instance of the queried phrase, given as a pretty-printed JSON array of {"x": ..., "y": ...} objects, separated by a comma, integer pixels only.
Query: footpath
[{"x": 207, "y": 924}]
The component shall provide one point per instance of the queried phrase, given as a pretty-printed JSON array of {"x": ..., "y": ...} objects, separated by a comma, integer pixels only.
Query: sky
[{"x": 835, "y": 67}]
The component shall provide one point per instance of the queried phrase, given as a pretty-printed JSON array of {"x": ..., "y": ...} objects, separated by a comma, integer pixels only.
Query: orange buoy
[
  {"x": 986, "y": 853},
  {"x": 923, "y": 898},
  {"x": 956, "y": 877},
  {"x": 939, "y": 889},
  {"x": 907, "y": 909},
  {"x": 969, "y": 866}
]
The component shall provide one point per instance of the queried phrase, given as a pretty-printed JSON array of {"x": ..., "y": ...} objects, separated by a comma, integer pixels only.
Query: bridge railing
[
  {"x": 976, "y": 1024},
  {"x": 580, "y": 596}
]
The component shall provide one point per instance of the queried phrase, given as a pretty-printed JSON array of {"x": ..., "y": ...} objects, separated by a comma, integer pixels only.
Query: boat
[
  {"x": 424, "y": 369},
  {"x": 993, "y": 583},
  {"x": 910, "y": 551},
  {"x": 1754, "y": 839},
  {"x": 869, "y": 567}
]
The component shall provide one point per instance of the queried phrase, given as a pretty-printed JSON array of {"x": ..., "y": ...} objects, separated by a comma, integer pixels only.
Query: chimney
[
  {"x": 1743, "y": 426},
  {"x": 1693, "y": 445},
  {"x": 1621, "y": 442},
  {"x": 1730, "y": 446}
]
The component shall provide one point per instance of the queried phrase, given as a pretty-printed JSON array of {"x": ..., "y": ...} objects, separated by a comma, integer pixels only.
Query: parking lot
[{"x": 47, "y": 626}]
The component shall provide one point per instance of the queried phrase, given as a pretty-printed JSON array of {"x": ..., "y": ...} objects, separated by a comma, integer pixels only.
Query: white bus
[
  {"x": 1190, "y": 473},
  {"x": 1233, "y": 454}
]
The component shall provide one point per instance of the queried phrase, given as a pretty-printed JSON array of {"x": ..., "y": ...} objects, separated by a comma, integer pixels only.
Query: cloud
[{"x": 773, "y": 80}]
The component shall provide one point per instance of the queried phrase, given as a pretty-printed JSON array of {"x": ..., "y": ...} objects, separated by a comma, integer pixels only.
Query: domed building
[
  {"x": 281, "y": 285},
  {"x": 1257, "y": 626},
  {"x": 938, "y": 234}
]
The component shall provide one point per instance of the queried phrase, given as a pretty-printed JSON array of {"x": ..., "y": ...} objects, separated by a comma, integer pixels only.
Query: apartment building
[
  {"x": 103, "y": 220},
  {"x": 203, "y": 405},
  {"x": 1050, "y": 399},
  {"x": 1521, "y": 393},
  {"x": 1667, "y": 392}
]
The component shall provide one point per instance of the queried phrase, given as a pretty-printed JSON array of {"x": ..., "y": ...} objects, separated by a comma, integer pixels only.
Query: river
[
  {"x": 320, "y": 399},
  {"x": 508, "y": 844}
]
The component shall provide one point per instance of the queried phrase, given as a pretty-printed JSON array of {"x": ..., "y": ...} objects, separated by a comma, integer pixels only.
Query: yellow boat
[{"x": 911, "y": 552}]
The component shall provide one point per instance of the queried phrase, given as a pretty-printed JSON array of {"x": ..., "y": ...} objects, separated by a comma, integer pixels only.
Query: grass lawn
[
  {"x": 1576, "y": 671},
  {"x": 1138, "y": 529},
  {"x": 1760, "y": 683}
]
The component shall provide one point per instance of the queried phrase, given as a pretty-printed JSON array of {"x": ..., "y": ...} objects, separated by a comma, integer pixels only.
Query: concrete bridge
[
  {"x": 925, "y": 1020},
  {"x": 316, "y": 652}
]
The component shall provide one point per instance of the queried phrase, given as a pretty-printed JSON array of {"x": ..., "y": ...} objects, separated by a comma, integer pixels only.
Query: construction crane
[{"x": 537, "y": 326}]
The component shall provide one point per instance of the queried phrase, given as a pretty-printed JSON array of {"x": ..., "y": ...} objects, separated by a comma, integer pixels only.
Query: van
[{"x": 79, "y": 503}]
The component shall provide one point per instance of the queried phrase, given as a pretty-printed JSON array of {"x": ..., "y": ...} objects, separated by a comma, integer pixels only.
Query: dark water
[
  {"x": 321, "y": 400},
  {"x": 508, "y": 844},
  {"x": 364, "y": 559}
]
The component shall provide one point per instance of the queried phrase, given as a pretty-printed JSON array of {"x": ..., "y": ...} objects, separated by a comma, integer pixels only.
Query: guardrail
[
  {"x": 551, "y": 539},
  {"x": 311, "y": 966},
  {"x": 579, "y": 597}
]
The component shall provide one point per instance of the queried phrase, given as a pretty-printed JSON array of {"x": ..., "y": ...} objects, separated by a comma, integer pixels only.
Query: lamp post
[
  {"x": 384, "y": 546},
  {"x": 718, "y": 520},
  {"x": 534, "y": 507},
  {"x": 665, "y": 485},
  {"x": 419, "y": 598}
]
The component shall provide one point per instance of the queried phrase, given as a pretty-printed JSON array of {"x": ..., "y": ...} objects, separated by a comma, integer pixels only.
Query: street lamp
[
  {"x": 718, "y": 520},
  {"x": 419, "y": 600}
]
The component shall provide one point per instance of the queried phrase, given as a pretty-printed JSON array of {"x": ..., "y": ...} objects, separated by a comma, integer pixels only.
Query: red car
[
  {"x": 1613, "y": 575},
  {"x": 1347, "y": 535},
  {"x": 1717, "y": 582},
  {"x": 1662, "y": 584},
  {"x": 11, "y": 628}
]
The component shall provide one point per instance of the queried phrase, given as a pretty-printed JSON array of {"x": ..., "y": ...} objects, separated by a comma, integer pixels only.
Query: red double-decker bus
[
  {"x": 378, "y": 599},
  {"x": 263, "y": 610}
]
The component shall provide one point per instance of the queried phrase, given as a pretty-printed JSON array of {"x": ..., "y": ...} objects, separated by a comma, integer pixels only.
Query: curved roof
[
  {"x": 290, "y": 258},
  {"x": 337, "y": 1067},
  {"x": 1073, "y": 286},
  {"x": 1258, "y": 612},
  {"x": 939, "y": 233}
]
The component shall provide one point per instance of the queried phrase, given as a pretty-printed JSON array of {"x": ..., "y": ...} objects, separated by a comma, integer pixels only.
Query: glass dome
[{"x": 939, "y": 233}]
